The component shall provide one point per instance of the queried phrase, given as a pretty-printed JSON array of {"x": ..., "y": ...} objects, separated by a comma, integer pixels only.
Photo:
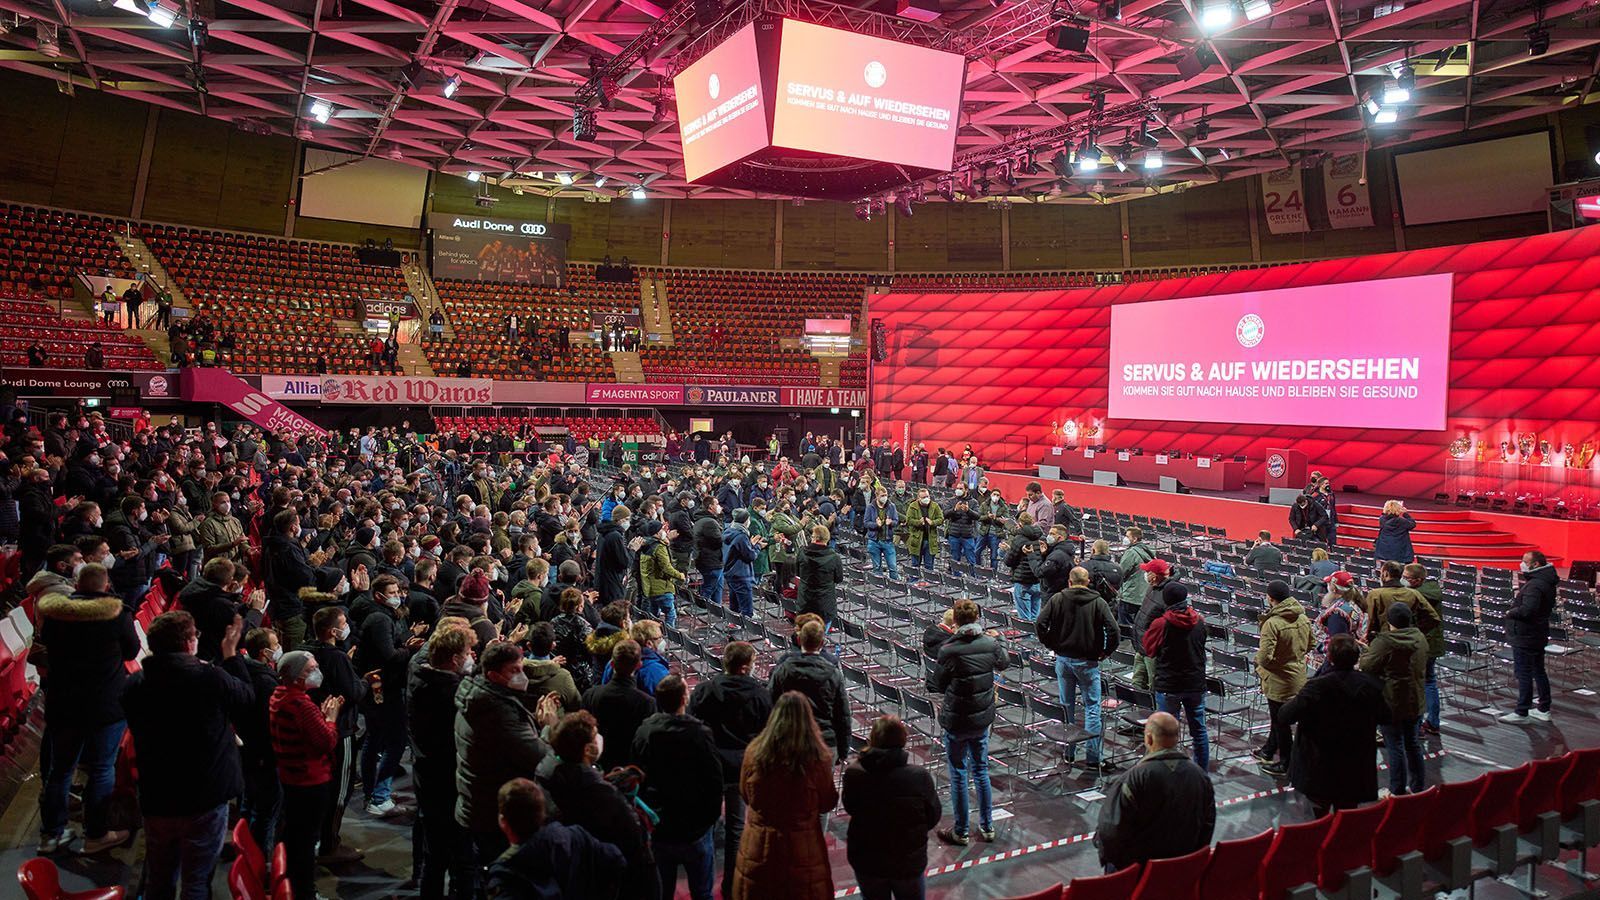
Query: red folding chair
[
  {"x": 255, "y": 862},
  {"x": 1402, "y": 829},
  {"x": 1116, "y": 886},
  {"x": 1053, "y": 892},
  {"x": 41, "y": 880},
  {"x": 1292, "y": 860},
  {"x": 1349, "y": 844},
  {"x": 1177, "y": 878}
]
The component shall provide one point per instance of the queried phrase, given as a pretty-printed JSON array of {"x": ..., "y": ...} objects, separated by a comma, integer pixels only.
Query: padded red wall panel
[{"x": 995, "y": 370}]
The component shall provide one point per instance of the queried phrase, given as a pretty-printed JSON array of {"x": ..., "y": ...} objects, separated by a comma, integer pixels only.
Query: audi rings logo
[
  {"x": 1276, "y": 465},
  {"x": 1250, "y": 330},
  {"x": 875, "y": 74},
  {"x": 714, "y": 86},
  {"x": 533, "y": 228}
]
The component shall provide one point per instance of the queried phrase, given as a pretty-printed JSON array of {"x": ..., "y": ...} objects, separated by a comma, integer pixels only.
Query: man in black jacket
[
  {"x": 967, "y": 666},
  {"x": 263, "y": 794},
  {"x": 735, "y": 707},
  {"x": 708, "y": 558},
  {"x": 1161, "y": 808},
  {"x": 683, "y": 783},
  {"x": 430, "y": 720},
  {"x": 584, "y": 798},
  {"x": 288, "y": 571},
  {"x": 619, "y": 706},
  {"x": 339, "y": 679},
  {"x": 1058, "y": 561},
  {"x": 961, "y": 531},
  {"x": 82, "y": 644},
  {"x": 215, "y": 599},
  {"x": 1079, "y": 627},
  {"x": 135, "y": 541},
  {"x": 1176, "y": 643},
  {"x": 1335, "y": 714},
  {"x": 892, "y": 805},
  {"x": 383, "y": 650},
  {"x": 819, "y": 573},
  {"x": 613, "y": 559},
  {"x": 180, "y": 712},
  {"x": 547, "y": 859},
  {"x": 1528, "y": 634},
  {"x": 812, "y": 674}
]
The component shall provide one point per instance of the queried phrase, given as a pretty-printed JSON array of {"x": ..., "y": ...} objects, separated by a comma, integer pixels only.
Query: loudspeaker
[
  {"x": 707, "y": 11},
  {"x": 1108, "y": 479},
  {"x": 1171, "y": 485},
  {"x": 1053, "y": 473},
  {"x": 583, "y": 128},
  {"x": 1068, "y": 37},
  {"x": 1282, "y": 496},
  {"x": 1192, "y": 64}
]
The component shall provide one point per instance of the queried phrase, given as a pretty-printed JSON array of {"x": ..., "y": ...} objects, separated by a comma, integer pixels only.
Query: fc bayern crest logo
[
  {"x": 1275, "y": 465},
  {"x": 696, "y": 395},
  {"x": 1250, "y": 330},
  {"x": 876, "y": 74},
  {"x": 715, "y": 86},
  {"x": 330, "y": 389}
]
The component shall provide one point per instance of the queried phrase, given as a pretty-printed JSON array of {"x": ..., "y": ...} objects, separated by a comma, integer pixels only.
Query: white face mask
[
  {"x": 995, "y": 498},
  {"x": 314, "y": 680},
  {"x": 468, "y": 666},
  {"x": 394, "y": 602},
  {"x": 344, "y": 633},
  {"x": 518, "y": 682},
  {"x": 77, "y": 568},
  {"x": 277, "y": 654},
  {"x": 661, "y": 645}
]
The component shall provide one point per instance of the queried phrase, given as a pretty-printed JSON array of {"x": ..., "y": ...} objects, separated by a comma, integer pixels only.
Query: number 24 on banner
[{"x": 1283, "y": 201}]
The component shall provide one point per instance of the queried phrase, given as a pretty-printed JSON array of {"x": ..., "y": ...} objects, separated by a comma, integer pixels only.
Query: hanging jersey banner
[
  {"x": 1349, "y": 205},
  {"x": 1284, "y": 201}
]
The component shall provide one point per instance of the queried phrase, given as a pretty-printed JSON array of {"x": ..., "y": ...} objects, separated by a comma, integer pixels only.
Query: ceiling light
[
  {"x": 1538, "y": 40},
  {"x": 1371, "y": 106},
  {"x": 564, "y": 177},
  {"x": 47, "y": 42},
  {"x": 946, "y": 188},
  {"x": 1386, "y": 116},
  {"x": 474, "y": 176},
  {"x": 1119, "y": 157},
  {"x": 162, "y": 16},
  {"x": 599, "y": 181},
  {"x": 1406, "y": 76},
  {"x": 199, "y": 33},
  {"x": 638, "y": 193},
  {"x": 1154, "y": 159},
  {"x": 863, "y": 211},
  {"x": 902, "y": 202},
  {"x": 1394, "y": 93},
  {"x": 1062, "y": 163},
  {"x": 1202, "y": 130},
  {"x": 320, "y": 110},
  {"x": 1257, "y": 9},
  {"x": 1029, "y": 165},
  {"x": 451, "y": 85},
  {"x": 1088, "y": 159},
  {"x": 1215, "y": 14}
]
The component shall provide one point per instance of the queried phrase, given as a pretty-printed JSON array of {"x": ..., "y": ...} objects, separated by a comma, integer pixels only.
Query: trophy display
[
  {"x": 1526, "y": 441},
  {"x": 1459, "y": 447},
  {"x": 1544, "y": 453}
]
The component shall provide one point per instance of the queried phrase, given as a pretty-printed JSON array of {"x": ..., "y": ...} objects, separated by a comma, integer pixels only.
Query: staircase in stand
[
  {"x": 654, "y": 311},
  {"x": 139, "y": 256},
  {"x": 421, "y": 287},
  {"x": 628, "y": 368},
  {"x": 413, "y": 361},
  {"x": 1448, "y": 534}
]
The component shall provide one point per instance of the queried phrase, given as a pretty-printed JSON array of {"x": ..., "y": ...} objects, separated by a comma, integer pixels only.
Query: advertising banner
[
  {"x": 1277, "y": 358},
  {"x": 730, "y": 395},
  {"x": 292, "y": 387},
  {"x": 380, "y": 309},
  {"x": 218, "y": 386},
  {"x": 821, "y": 396},
  {"x": 635, "y": 394},
  {"x": 539, "y": 393},
  {"x": 829, "y": 326},
  {"x": 401, "y": 389},
  {"x": 1349, "y": 206},
  {"x": 52, "y": 382},
  {"x": 606, "y": 319},
  {"x": 516, "y": 251},
  {"x": 1283, "y": 199},
  {"x": 722, "y": 115}
]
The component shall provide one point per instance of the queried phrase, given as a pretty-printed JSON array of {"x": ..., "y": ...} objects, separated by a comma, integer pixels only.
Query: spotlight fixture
[
  {"x": 565, "y": 178},
  {"x": 1154, "y": 159},
  {"x": 1215, "y": 14},
  {"x": 1371, "y": 106},
  {"x": 1406, "y": 76},
  {"x": 1538, "y": 40},
  {"x": 451, "y": 85},
  {"x": 1062, "y": 163},
  {"x": 1030, "y": 166},
  {"x": 1008, "y": 174},
  {"x": 902, "y": 202},
  {"x": 864, "y": 211},
  {"x": 46, "y": 40},
  {"x": 983, "y": 186},
  {"x": 1393, "y": 93},
  {"x": 1145, "y": 137},
  {"x": 1088, "y": 157},
  {"x": 1119, "y": 157},
  {"x": 1386, "y": 116},
  {"x": 946, "y": 188},
  {"x": 879, "y": 205},
  {"x": 162, "y": 16},
  {"x": 199, "y": 33},
  {"x": 599, "y": 181},
  {"x": 474, "y": 176},
  {"x": 638, "y": 193},
  {"x": 1257, "y": 9},
  {"x": 320, "y": 110},
  {"x": 1202, "y": 130}
]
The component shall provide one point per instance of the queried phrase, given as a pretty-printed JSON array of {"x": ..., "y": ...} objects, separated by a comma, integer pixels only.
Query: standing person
[
  {"x": 1528, "y": 634},
  {"x": 547, "y": 855},
  {"x": 881, "y": 520},
  {"x": 586, "y": 799},
  {"x": 618, "y": 705},
  {"x": 1034, "y": 504},
  {"x": 1025, "y": 552},
  {"x": 923, "y": 519},
  {"x": 263, "y": 796},
  {"x": 1391, "y": 591},
  {"x": 613, "y": 560},
  {"x": 1306, "y": 519},
  {"x": 968, "y": 662},
  {"x": 1175, "y": 642},
  {"x": 303, "y": 738},
  {"x": 179, "y": 713},
  {"x": 1399, "y": 658},
  {"x": 84, "y": 641},
  {"x": 659, "y": 579},
  {"x": 820, "y": 572},
  {"x": 1161, "y": 808},
  {"x": 1131, "y": 596},
  {"x": 1281, "y": 666},
  {"x": 739, "y": 552},
  {"x": 893, "y": 804},
  {"x": 1394, "y": 534},
  {"x": 819, "y": 680},
  {"x": 430, "y": 720},
  {"x": 384, "y": 651},
  {"x": 707, "y": 537},
  {"x": 1078, "y": 627},
  {"x": 735, "y": 707},
  {"x": 133, "y": 298},
  {"x": 337, "y": 677},
  {"x": 787, "y": 783},
  {"x": 1334, "y": 716},
  {"x": 683, "y": 785},
  {"x": 991, "y": 525},
  {"x": 1415, "y": 576},
  {"x": 961, "y": 532}
]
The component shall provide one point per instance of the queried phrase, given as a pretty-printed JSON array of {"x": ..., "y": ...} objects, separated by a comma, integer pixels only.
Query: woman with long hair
[
  {"x": 1394, "y": 534},
  {"x": 787, "y": 783}
]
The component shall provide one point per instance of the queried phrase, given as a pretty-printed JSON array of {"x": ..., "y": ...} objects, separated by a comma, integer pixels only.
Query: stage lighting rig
[
  {"x": 946, "y": 188},
  {"x": 902, "y": 202},
  {"x": 583, "y": 126}
]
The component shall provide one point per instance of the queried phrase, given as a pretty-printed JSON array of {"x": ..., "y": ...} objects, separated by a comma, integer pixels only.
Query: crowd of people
[{"x": 499, "y": 610}]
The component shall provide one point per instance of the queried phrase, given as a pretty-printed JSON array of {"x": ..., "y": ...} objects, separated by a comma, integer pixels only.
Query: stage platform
[{"x": 1471, "y": 536}]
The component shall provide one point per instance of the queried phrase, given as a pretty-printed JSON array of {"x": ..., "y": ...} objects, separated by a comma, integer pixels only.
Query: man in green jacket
[
  {"x": 923, "y": 520},
  {"x": 1415, "y": 576},
  {"x": 992, "y": 512},
  {"x": 1130, "y": 596},
  {"x": 785, "y": 525},
  {"x": 761, "y": 527},
  {"x": 1399, "y": 658},
  {"x": 659, "y": 579}
]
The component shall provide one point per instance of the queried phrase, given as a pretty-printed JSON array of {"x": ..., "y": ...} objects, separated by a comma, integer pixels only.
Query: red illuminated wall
[{"x": 996, "y": 369}]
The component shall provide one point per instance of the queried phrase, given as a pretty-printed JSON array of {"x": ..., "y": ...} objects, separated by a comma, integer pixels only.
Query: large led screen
[
  {"x": 848, "y": 94},
  {"x": 477, "y": 248},
  {"x": 1367, "y": 354},
  {"x": 722, "y": 115}
]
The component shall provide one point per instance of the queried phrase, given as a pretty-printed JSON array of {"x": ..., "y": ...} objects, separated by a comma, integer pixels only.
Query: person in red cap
[
  {"x": 471, "y": 602},
  {"x": 1156, "y": 573},
  {"x": 1343, "y": 612}
]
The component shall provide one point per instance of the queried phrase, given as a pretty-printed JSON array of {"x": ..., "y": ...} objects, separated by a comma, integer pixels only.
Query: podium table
[{"x": 1198, "y": 472}]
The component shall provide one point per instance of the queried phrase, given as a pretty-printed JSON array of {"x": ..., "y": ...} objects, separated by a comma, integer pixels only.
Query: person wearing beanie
[
  {"x": 612, "y": 559},
  {"x": 1175, "y": 642},
  {"x": 739, "y": 552},
  {"x": 658, "y": 577},
  {"x": 1398, "y": 657},
  {"x": 471, "y": 602},
  {"x": 1281, "y": 666}
]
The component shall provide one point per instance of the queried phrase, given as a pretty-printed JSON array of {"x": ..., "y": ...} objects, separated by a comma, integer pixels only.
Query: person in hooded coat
[
  {"x": 893, "y": 804},
  {"x": 1399, "y": 658},
  {"x": 613, "y": 559},
  {"x": 1529, "y": 632},
  {"x": 820, "y": 573},
  {"x": 787, "y": 783},
  {"x": 1281, "y": 666},
  {"x": 1333, "y": 718}
]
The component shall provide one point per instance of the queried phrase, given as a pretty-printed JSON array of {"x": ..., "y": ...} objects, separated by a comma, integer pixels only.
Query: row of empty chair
[
  {"x": 41, "y": 248},
  {"x": 26, "y": 322},
  {"x": 581, "y": 428}
]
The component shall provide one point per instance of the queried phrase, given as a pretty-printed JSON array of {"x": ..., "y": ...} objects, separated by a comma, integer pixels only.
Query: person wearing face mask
[
  {"x": 383, "y": 651},
  {"x": 263, "y": 795},
  {"x": 62, "y": 562},
  {"x": 180, "y": 712},
  {"x": 338, "y": 678},
  {"x": 584, "y": 797},
  {"x": 991, "y": 510},
  {"x": 923, "y": 519},
  {"x": 652, "y": 663},
  {"x": 881, "y": 518},
  {"x": 303, "y": 740},
  {"x": 497, "y": 729},
  {"x": 430, "y": 721},
  {"x": 1528, "y": 634},
  {"x": 289, "y": 571},
  {"x": 213, "y": 598},
  {"x": 136, "y": 546},
  {"x": 83, "y": 641},
  {"x": 961, "y": 533},
  {"x": 545, "y": 674}
]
